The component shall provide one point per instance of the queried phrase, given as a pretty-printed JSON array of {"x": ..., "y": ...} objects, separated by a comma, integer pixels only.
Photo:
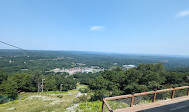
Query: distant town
[
  {"x": 92, "y": 69},
  {"x": 79, "y": 70}
]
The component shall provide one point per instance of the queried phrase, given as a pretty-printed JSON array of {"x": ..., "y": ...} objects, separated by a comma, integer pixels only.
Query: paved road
[{"x": 176, "y": 107}]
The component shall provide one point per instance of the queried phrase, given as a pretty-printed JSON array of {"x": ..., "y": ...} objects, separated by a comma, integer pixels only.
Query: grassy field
[
  {"x": 53, "y": 101},
  {"x": 56, "y": 101}
]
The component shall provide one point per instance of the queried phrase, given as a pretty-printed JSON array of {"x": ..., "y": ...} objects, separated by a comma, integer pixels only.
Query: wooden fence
[{"x": 132, "y": 96}]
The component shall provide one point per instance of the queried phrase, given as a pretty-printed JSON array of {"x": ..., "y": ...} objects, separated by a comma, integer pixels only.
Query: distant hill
[{"x": 17, "y": 60}]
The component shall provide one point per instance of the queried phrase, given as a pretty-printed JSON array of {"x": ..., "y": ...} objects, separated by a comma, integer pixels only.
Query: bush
[
  {"x": 90, "y": 106},
  {"x": 5, "y": 99},
  {"x": 84, "y": 90},
  {"x": 83, "y": 98},
  {"x": 99, "y": 94},
  {"x": 59, "y": 96}
]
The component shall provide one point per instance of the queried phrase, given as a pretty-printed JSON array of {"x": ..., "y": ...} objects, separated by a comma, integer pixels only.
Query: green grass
[
  {"x": 56, "y": 101},
  {"x": 50, "y": 101},
  {"x": 117, "y": 105},
  {"x": 96, "y": 106}
]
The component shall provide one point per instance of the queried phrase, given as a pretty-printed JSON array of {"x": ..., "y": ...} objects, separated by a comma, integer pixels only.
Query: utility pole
[
  {"x": 42, "y": 85},
  {"x": 38, "y": 85},
  {"x": 61, "y": 87}
]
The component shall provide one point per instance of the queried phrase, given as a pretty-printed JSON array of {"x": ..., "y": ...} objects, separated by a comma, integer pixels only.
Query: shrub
[
  {"x": 84, "y": 90},
  {"x": 99, "y": 94},
  {"x": 59, "y": 96}
]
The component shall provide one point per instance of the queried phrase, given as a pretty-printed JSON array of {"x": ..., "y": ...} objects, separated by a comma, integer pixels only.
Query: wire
[
  {"x": 15, "y": 47},
  {"x": 11, "y": 45}
]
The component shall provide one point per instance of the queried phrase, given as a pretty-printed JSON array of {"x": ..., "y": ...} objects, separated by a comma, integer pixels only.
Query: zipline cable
[{"x": 15, "y": 47}]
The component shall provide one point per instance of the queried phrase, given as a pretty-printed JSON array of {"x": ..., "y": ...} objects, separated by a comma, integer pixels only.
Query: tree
[
  {"x": 24, "y": 82},
  {"x": 3, "y": 77},
  {"x": 50, "y": 84},
  {"x": 9, "y": 88}
]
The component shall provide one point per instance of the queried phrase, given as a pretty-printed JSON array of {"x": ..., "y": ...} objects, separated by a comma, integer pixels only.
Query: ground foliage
[
  {"x": 145, "y": 77},
  {"x": 11, "y": 85}
]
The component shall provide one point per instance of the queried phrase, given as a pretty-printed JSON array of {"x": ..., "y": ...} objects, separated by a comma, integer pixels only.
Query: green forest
[
  {"x": 12, "y": 61},
  {"x": 151, "y": 73},
  {"x": 145, "y": 77}
]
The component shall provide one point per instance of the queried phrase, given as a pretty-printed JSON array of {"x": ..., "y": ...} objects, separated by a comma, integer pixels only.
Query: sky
[{"x": 120, "y": 26}]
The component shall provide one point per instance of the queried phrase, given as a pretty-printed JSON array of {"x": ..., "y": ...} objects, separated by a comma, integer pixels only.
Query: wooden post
[
  {"x": 173, "y": 93},
  {"x": 132, "y": 99},
  {"x": 103, "y": 105},
  {"x": 188, "y": 92},
  {"x": 108, "y": 106},
  {"x": 154, "y": 99}
]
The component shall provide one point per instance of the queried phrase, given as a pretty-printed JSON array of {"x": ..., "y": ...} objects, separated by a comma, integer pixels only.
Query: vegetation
[
  {"x": 12, "y": 61},
  {"x": 145, "y": 77},
  {"x": 50, "y": 101},
  {"x": 22, "y": 82},
  {"x": 21, "y": 75},
  {"x": 97, "y": 105}
]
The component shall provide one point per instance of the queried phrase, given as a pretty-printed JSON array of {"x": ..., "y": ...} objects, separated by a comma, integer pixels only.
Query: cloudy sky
[{"x": 123, "y": 26}]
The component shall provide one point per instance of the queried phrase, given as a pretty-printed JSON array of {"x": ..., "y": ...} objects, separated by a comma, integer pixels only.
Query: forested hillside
[
  {"x": 145, "y": 77},
  {"x": 24, "y": 72},
  {"x": 15, "y": 60},
  {"x": 12, "y": 85}
]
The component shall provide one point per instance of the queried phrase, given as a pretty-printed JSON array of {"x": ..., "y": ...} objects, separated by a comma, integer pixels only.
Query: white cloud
[
  {"x": 183, "y": 13},
  {"x": 94, "y": 28}
]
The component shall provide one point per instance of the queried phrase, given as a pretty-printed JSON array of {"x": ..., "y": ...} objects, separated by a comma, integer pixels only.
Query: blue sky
[{"x": 123, "y": 26}]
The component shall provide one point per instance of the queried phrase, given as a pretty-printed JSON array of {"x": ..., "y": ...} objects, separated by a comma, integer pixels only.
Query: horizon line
[{"x": 104, "y": 52}]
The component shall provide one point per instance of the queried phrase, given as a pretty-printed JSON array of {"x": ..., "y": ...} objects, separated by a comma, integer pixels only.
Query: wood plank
[
  {"x": 118, "y": 97},
  {"x": 144, "y": 93},
  {"x": 107, "y": 105}
]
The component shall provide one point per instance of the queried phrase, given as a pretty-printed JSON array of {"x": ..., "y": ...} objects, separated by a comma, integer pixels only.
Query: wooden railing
[{"x": 132, "y": 96}]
